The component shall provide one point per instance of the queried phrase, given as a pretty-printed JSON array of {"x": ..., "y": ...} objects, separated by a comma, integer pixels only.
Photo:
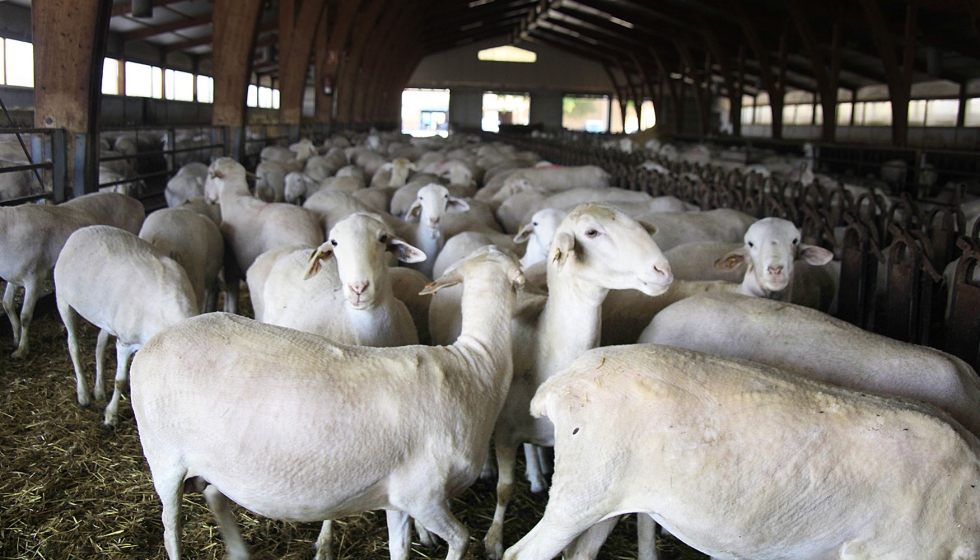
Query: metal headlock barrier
[{"x": 892, "y": 250}]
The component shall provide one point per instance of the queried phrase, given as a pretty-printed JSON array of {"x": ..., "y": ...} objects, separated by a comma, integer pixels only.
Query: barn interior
[{"x": 859, "y": 122}]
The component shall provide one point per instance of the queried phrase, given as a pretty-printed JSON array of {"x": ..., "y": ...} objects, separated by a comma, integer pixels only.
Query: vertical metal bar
[
  {"x": 172, "y": 145},
  {"x": 81, "y": 143},
  {"x": 58, "y": 159}
]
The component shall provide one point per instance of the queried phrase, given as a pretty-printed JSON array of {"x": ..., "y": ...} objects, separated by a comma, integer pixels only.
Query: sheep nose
[
  {"x": 775, "y": 269},
  {"x": 359, "y": 288},
  {"x": 662, "y": 273}
]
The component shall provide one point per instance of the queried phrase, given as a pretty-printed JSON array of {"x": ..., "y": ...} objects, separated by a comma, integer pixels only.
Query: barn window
[
  {"x": 110, "y": 76},
  {"x": 588, "y": 113},
  {"x": 205, "y": 89},
  {"x": 507, "y": 53},
  {"x": 972, "y": 116},
  {"x": 18, "y": 67},
  {"x": 504, "y": 109},
  {"x": 425, "y": 112},
  {"x": 252, "y": 97},
  {"x": 143, "y": 80},
  {"x": 179, "y": 85}
]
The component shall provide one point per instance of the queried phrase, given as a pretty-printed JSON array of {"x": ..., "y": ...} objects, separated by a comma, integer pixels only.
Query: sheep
[
  {"x": 332, "y": 206},
  {"x": 595, "y": 249},
  {"x": 15, "y": 184},
  {"x": 394, "y": 173},
  {"x": 404, "y": 197},
  {"x": 186, "y": 184},
  {"x": 774, "y": 259},
  {"x": 546, "y": 180},
  {"x": 270, "y": 181},
  {"x": 354, "y": 172},
  {"x": 431, "y": 204},
  {"x": 349, "y": 300},
  {"x": 251, "y": 226},
  {"x": 818, "y": 346},
  {"x": 321, "y": 167},
  {"x": 31, "y": 237},
  {"x": 674, "y": 228},
  {"x": 297, "y": 187},
  {"x": 407, "y": 284},
  {"x": 538, "y": 233},
  {"x": 127, "y": 288},
  {"x": 342, "y": 399},
  {"x": 677, "y": 435},
  {"x": 195, "y": 242}
]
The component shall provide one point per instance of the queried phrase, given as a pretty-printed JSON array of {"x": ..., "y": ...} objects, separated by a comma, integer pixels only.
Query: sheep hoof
[
  {"x": 495, "y": 549},
  {"x": 110, "y": 423},
  {"x": 19, "y": 354},
  {"x": 538, "y": 485}
]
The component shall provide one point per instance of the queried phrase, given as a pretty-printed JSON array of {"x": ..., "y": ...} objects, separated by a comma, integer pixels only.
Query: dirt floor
[{"x": 70, "y": 488}]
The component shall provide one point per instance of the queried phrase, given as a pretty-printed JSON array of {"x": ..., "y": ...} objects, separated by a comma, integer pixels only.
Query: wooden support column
[
  {"x": 899, "y": 77},
  {"x": 621, "y": 94},
  {"x": 372, "y": 52},
  {"x": 775, "y": 88},
  {"x": 402, "y": 29},
  {"x": 348, "y": 84},
  {"x": 714, "y": 47},
  {"x": 675, "y": 90},
  {"x": 328, "y": 54},
  {"x": 701, "y": 97},
  {"x": 298, "y": 21},
  {"x": 235, "y": 23},
  {"x": 69, "y": 47},
  {"x": 961, "y": 114},
  {"x": 735, "y": 111},
  {"x": 827, "y": 78}
]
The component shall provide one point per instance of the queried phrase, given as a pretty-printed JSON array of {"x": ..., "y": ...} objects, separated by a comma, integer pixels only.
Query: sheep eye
[
  {"x": 384, "y": 239},
  {"x": 751, "y": 244},
  {"x": 591, "y": 233},
  {"x": 795, "y": 241},
  {"x": 534, "y": 223},
  {"x": 333, "y": 242}
]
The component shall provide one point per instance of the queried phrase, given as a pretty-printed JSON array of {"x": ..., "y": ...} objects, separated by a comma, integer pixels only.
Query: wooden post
[
  {"x": 69, "y": 48},
  {"x": 328, "y": 61},
  {"x": 775, "y": 89},
  {"x": 348, "y": 85},
  {"x": 296, "y": 30},
  {"x": 235, "y": 23},
  {"x": 899, "y": 77},
  {"x": 827, "y": 80},
  {"x": 401, "y": 29},
  {"x": 371, "y": 50}
]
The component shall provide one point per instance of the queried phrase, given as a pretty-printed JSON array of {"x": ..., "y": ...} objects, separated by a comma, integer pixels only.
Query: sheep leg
[
  {"x": 100, "y": 345},
  {"x": 489, "y": 467},
  {"x": 586, "y": 546},
  {"x": 220, "y": 505},
  {"x": 399, "y": 534},
  {"x": 646, "y": 537},
  {"x": 324, "y": 542},
  {"x": 123, "y": 353},
  {"x": 437, "y": 518},
  {"x": 8, "y": 307},
  {"x": 425, "y": 537},
  {"x": 211, "y": 298},
  {"x": 506, "y": 461},
  {"x": 32, "y": 291},
  {"x": 171, "y": 491},
  {"x": 563, "y": 521},
  {"x": 233, "y": 275},
  {"x": 547, "y": 465},
  {"x": 70, "y": 319},
  {"x": 533, "y": 468}
]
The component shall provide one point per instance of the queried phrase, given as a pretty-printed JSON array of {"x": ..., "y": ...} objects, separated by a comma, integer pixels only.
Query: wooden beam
[
  {"x": 827, "y": 76},
  {"x": 69, "y": 47},
  {"x": 327, "y": 60},
  {"x": 899, "y": 74},
  {"x": 235, "y": 26},
  {"x": 298, "y": 21},
  {"x": 347, "y": 82},
  {"x": 124, "y": 8}
]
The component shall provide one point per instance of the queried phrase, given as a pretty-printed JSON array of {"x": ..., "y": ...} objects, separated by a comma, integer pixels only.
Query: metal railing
[{"x": 36, "y": 168}]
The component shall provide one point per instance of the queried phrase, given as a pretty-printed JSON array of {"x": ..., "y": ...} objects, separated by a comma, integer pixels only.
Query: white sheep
[
  {"x": 186, "y": 184},
  {"x": 126, "y": 287},
  {"x": 31, "y": 237},
  {"x": 341, "y": 290},
  {"x": 404, "y": 197},
  {"x": 297, "y": 187},
  {"x": 401, "y": 429},
  {"x": 549, "y": 179},
  {"x": 431, "y": 203},
  {"x": 270, "y": 181},
  {"x": 538, "y": 233},
  {"x": 195, "y": 242},
  {"x": 393, "y": 173},
  {"x": 595, "y": 249},
  {"x": 740, "y": 460},
  {"x": 721, "y": 224},
  {"x": 778, "y": 266},
  {"x": 251, "y": 226}
]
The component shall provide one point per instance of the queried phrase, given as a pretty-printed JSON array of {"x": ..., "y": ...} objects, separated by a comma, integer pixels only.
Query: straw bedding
[{"x": 71, "y": 489}]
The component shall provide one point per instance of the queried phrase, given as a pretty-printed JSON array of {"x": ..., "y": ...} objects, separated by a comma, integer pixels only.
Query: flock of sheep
[{"x": 681, "y": 363}]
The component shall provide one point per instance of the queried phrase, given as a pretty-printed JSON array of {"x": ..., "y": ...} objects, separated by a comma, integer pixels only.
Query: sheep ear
[
  {"x": 564, "y": 247},
  {"x": 651, "y": 229},
  {"x": 413, "y": 166},
  {"x": 457, "y": 205},
  {"x": 524, "y": 233},
  {"x": 448, "y": 279},
  {"x": 517, "y": 279},
  {"x": 733, "y": 260},
  {"x": 405, "y": 252},
  {"x": 314, "y": 265},
  {"x": 814, "y": 255},
  {"x": 415, "y": 210}
]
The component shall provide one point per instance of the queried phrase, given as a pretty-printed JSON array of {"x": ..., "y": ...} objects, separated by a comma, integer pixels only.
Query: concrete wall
[
  {"x": 936, "y": 137},
  {"x": 554, "y": 74}
]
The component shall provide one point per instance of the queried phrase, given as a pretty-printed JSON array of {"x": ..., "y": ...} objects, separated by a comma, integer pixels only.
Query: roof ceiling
[{"x": 647, "y": 38}]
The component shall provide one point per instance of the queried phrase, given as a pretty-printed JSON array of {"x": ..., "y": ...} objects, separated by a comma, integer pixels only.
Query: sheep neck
[
  {"x": 571, "y": 321},
  {"x": 487, "y": 306},
  {"x": 375, "y": 325}
]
